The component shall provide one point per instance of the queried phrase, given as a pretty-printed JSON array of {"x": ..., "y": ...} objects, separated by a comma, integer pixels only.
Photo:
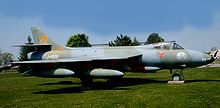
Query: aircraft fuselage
[{"x": 150, "y": 59}]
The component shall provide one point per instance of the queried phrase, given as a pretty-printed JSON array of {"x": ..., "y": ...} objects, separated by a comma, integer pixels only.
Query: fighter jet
[{"x": 53, "y": 60}]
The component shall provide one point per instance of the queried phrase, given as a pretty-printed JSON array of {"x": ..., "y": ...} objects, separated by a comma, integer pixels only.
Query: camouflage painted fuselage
[
  {"x": 51, "y": 59},
  {"x": 139, "y": 58}
]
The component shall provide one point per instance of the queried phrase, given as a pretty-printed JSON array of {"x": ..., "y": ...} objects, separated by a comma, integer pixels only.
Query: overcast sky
[{"x": 194, "y": 24}]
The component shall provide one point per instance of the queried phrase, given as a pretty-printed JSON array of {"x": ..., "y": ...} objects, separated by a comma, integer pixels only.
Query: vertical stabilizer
[{"x": 43, "y": 39}]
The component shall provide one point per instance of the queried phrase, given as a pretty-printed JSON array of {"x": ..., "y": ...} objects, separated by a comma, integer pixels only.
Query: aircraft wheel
[{"x": 176, "y": 77}]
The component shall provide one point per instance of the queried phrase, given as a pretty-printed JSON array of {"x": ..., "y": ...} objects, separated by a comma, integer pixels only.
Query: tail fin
[{"x": 43, "y": 39}]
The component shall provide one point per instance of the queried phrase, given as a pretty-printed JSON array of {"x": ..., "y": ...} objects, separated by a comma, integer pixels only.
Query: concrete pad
[{"x": 176, "y": 82}]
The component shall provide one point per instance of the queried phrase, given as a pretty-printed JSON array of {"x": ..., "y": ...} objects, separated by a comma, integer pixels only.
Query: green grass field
[{"x": 202, "y": 89}]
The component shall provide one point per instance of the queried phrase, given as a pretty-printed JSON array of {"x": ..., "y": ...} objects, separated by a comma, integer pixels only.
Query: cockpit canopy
[{"x": 167, "y": 46}]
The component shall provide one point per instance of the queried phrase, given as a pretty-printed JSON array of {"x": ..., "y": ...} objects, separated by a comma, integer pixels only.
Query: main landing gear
[{"x": 86, "y": 81}]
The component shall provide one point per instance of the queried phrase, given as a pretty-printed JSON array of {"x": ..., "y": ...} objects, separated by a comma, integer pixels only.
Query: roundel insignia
[
  {"x": 161, "y": 54},
  {"x": 181, "y": 56}
]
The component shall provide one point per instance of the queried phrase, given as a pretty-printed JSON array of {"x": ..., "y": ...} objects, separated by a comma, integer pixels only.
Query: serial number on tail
[{"x": 52, "y": 57}]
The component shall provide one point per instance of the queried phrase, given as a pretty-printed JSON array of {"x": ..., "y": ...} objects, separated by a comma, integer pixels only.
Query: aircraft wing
[
  {"x": 33, "y": 45},
  {"x": 50, "y": 61},
  {"x": 80, "y": 59}
]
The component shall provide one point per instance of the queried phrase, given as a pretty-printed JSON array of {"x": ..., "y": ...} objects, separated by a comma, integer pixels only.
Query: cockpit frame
[{"x": 167, "y": 46}]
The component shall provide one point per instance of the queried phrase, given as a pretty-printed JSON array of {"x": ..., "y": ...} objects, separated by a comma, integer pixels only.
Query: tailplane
[{"x": 42, "y": 39}]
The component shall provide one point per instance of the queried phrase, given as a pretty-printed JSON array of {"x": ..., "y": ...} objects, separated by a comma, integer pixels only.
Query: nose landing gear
[{"x": 177, "y": 77}]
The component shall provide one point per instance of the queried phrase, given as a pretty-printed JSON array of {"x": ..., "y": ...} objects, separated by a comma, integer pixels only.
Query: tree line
[{"x": 82, "y": 40}]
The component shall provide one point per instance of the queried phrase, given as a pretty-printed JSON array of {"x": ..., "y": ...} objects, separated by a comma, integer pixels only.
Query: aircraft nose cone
[
  {"x": 199, "y": 58},
  {"x": 208, "y": 58}
]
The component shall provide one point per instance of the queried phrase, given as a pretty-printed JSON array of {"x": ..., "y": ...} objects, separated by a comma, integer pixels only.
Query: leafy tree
[
  {"x": 124, "y": 41},
  {"x": 6, "y": 58},
  {"x": 135, "y": 42},
  {"x": 78, "y": 40},
  {"x": 154, "y": 38}
]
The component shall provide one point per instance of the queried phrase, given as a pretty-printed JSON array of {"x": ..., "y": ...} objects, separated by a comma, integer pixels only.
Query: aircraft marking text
[{"x": 52, "y": 56}]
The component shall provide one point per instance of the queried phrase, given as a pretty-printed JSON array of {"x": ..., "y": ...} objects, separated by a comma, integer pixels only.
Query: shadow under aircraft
[{"x": 121, "y": 84}]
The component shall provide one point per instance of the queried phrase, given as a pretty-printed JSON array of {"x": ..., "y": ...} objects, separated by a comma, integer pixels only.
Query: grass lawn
[{"x": 202, "y": 89}]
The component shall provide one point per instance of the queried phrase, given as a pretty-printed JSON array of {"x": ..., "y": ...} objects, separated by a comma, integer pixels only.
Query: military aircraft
[{"x": 52, "y": 60}]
